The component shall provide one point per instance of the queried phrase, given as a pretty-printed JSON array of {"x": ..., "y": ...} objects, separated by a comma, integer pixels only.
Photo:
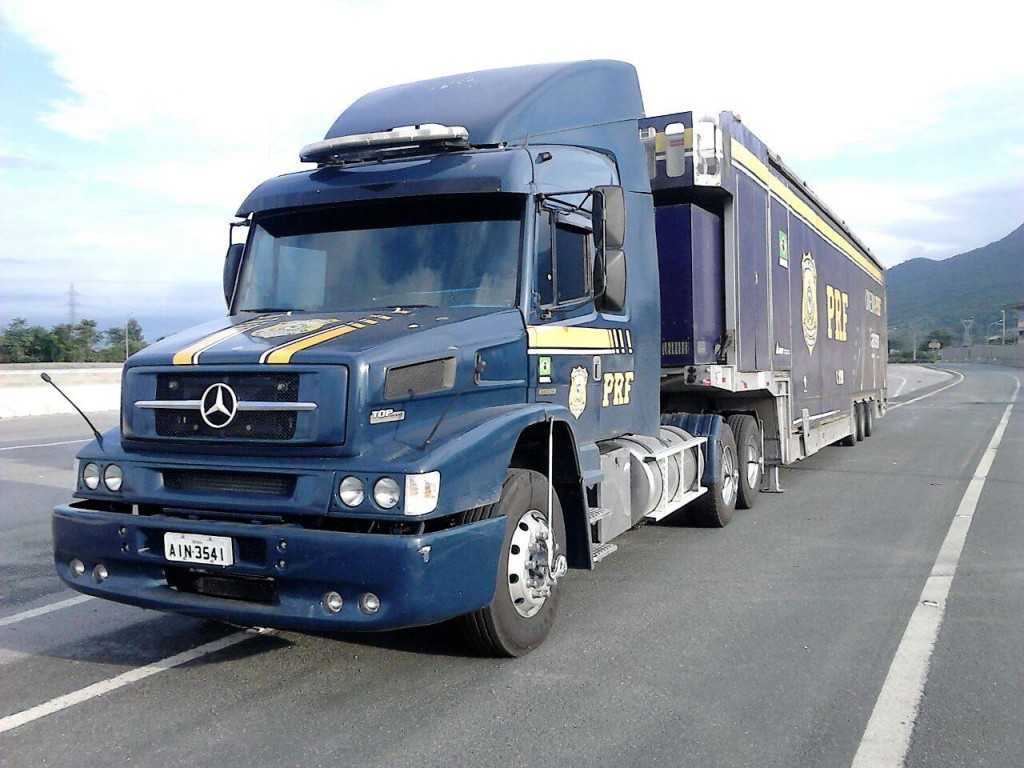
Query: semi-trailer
[{"x": 502, "y": 319}]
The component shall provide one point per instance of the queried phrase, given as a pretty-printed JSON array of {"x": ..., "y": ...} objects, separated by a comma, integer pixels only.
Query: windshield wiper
[{"x": 272, "y": 309}]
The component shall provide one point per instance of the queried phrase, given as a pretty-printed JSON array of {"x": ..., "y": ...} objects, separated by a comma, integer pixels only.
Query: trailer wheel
[
  {"x": 859, "y": 418},
  {"x": 525, "y": 596},
  {"x": 714, "y": 509},
  {"x": 869, "y": 418},
  {"x": 750, "y": 460}
]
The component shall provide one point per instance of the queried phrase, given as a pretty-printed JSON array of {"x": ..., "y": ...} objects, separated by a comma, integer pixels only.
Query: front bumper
[{"x": 415, "y": 585}]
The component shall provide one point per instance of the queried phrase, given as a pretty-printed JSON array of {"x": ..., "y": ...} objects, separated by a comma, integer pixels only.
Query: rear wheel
[
  {"x": 859, "y": 418},
  {"x": 526, "y": 594},
  {"x": 714, "y": 509},
  {"x": 750, "y": 460},
  {"x": 869, "y": 418}
]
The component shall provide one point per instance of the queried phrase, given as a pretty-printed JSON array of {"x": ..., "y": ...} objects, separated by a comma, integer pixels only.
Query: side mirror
[
  {"x": 609, "y": 217},
  {"x": 609, "y": 221},
  {"x": 232, "y": 261}
]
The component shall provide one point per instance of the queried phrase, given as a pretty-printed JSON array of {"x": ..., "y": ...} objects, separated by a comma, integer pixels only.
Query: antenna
[{"x": 99, "y": 438}]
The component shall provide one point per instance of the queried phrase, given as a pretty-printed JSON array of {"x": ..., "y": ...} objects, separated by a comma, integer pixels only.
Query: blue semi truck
[{"x": 502, "y": 319}]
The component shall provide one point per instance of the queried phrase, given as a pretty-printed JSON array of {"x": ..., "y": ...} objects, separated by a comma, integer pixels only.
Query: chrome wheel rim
[
  {"x": 730, "y": 477},
  {"x": 529, "y": 578},
  {"x": 755, "y": 463}
]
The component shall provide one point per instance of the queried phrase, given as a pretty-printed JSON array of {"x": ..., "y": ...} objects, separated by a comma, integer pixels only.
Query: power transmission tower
[
  {"x": 72, "y": 295},
  {"x": 968, "y": 326}
]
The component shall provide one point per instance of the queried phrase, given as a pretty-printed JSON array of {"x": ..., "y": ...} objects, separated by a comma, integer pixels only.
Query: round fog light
[
  {"x": 100, "y": 572},
  {"x": 112, "y": 477},
  {"x": 385, "y": 493},
  {"x": 369, "y": 603},
  {"x": 77, "y": 567},
  {"x": 350, "y": 491},
  {"x": 333, "y": 602},
  {"x": 91, "y": 476}
]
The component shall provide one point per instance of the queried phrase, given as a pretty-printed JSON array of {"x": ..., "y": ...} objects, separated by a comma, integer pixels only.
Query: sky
[{"x": 131, "y": 131}]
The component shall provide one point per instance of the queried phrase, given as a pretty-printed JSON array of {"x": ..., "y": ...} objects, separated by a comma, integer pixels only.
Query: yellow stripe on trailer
[{"x": 777, "y": 187}]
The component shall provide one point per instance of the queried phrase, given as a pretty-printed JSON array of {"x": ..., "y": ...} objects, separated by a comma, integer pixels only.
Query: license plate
[{"x": 196, "y": 548}]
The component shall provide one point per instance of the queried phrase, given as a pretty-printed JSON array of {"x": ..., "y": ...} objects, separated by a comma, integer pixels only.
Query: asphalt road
[{"x": 763, "y": 644}]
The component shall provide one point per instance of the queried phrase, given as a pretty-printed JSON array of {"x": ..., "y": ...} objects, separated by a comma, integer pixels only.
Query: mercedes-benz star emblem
[{"x": 219, "y": 405}]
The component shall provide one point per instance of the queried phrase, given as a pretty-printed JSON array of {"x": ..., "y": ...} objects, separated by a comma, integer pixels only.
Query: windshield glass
[{"x": 458, "y": 250}]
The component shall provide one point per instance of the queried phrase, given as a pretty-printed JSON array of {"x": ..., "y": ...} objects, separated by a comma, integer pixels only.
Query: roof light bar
[{"x": 403, "y": 137}]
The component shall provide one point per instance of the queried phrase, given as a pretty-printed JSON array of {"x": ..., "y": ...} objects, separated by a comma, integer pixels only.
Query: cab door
[{"x": 577, "y": 358}]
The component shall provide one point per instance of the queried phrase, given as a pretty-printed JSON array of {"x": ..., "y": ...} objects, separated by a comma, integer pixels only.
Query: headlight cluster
[
  {"x": 421, "y": 492},
  {"x": 111, "y": 474}
]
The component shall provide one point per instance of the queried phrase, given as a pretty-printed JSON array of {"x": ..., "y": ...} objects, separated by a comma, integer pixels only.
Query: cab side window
[{"x": 563, "y": 262}]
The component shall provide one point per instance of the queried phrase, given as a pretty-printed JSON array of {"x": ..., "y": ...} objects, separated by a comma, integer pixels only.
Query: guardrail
[
  {"x": 94, "y": 387},
  {"x": 993, "y": 354}
]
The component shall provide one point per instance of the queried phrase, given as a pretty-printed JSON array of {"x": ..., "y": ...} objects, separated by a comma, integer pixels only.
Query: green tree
[
  {"x": 114, "y": 337},
  {"x": 14, "y": 341}
]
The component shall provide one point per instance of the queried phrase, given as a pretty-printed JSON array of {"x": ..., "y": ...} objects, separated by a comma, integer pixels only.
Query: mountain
[{"x": 927, "y": 295}]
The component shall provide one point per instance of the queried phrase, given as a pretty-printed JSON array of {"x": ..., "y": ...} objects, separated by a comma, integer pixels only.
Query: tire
[
  {"x": 714, "y": 509},
  {"x": 858, "y": 419},
  {"x": 517, "y": 620},
  {"x": 869, "y": 418},
  {"x": 750, "y": 460}
]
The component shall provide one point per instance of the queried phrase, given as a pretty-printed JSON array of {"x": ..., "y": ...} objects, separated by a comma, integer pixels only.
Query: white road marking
[
  {"x": 922, "y": 397},
  {"x": 887, "y": 736},
  {"x": 8, "y": 620},
  {"x": 900, "y": 387},
  {"x": 132, "y": 676},
  {"x": 42, "y": 445}
]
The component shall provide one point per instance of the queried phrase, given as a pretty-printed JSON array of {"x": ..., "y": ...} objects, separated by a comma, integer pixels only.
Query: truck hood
[{"x": 324, "y": 338}]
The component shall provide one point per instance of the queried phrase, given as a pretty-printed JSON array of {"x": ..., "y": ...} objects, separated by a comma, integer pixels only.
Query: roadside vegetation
[{"x": 81, "y": 342}]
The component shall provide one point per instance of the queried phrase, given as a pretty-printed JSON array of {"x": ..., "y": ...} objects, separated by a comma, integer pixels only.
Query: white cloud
[
  {"x": 812, "y": 78},
  {"x": 173, "y": 112}
]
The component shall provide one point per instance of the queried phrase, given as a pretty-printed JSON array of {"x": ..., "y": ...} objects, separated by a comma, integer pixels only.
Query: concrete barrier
[
  {"x": 993, "y": 354},
  {"x": 94, "y": 387}
]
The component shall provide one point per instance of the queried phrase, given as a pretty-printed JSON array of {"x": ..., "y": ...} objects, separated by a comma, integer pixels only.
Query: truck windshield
[{"x": 458, "y": 250}]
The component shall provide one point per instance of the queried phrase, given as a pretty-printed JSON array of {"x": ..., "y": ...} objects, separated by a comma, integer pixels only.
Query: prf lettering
[
  {"x": 838, "y": 303},
  {"x": 617, "y": 388}
]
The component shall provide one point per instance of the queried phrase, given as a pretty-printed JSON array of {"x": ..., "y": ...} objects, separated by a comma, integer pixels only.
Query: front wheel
[{"x": 526, "y": 594}]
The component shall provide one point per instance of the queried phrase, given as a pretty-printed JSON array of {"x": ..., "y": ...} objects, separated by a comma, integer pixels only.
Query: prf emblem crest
[
  {"x": 809, "y": 302},
  {"x": 291, "y": 328},
  {"x": 578, "y": 391}
]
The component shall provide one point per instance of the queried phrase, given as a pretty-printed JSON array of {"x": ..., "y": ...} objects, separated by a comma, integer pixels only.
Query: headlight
[
  {"x": 112, "y": 477},
  {"x": 351, "y": 492},
  {"x": 421, "y": 492},
  {"x": 91, "y": 476},
  {"x": 385, "y": 493}
]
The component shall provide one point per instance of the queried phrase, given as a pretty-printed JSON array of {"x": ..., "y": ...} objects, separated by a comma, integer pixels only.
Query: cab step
[
  {"x": 602, "y": 551},
  {"x": 598, "y": 513}
]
